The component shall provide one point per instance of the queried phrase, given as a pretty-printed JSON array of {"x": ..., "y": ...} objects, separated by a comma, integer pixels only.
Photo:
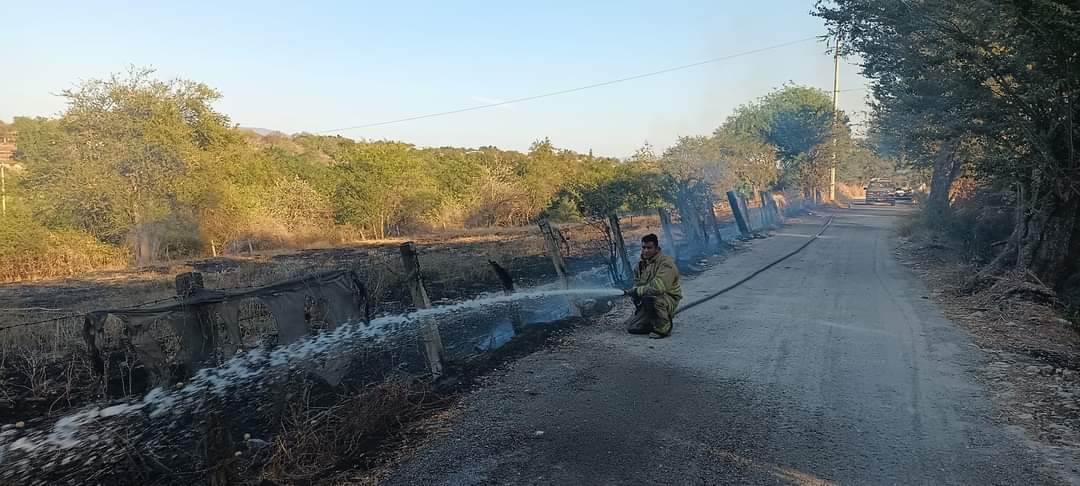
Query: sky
[{"x": 319, "y": 66}]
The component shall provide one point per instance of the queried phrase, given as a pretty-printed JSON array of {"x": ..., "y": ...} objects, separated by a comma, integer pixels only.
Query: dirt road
[{"x": 830, "y": 368}]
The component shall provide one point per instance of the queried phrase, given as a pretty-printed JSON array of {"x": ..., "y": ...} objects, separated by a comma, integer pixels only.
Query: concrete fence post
[
  {"x": 748, "y": 211},
  {"x": 714, "y": 222},
  {"x": 778, "y": 215},
  {"x": 766, "y": 213},
  {"x": 740, "y": 215}
]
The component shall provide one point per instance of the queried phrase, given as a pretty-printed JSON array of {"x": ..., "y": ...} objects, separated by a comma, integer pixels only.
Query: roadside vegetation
[
  {"x": 139, "y": 170},
  {"x": 983, "y": 97}
]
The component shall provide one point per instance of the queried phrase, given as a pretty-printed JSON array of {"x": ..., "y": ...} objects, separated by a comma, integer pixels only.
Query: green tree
[
  {"x": 116, "y": 163},
  {"x": 612, "y": 187},
  {"x": 798, "y": 121},
  {"x": 992, "y": 83}
]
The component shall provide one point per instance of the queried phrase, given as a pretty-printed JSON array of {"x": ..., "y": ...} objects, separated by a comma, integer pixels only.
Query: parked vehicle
[
  {"x": 904, "y": 194},
  {"x": 879, "y": 190}
]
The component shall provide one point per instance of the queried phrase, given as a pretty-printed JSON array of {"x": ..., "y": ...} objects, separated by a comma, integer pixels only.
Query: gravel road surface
[{"x": 830, "y": 368}]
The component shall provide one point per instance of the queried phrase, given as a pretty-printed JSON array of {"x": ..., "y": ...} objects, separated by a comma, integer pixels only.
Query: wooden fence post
[
  {"x": 625, "y": 270},
  {"x": 432, "y": 340},
  {"x": 411, "y": 262},
  {"x": 737, "y": 211},
  {"x": 669, "y": 238},
  {"x": 507, "y": 282},
  {"x": 552, "y": 246}
]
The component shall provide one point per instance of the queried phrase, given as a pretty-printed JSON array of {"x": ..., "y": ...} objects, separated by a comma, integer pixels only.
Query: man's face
[{"x": 648, "y": 250}]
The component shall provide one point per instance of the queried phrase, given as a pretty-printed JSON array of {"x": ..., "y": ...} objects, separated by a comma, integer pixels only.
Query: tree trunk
[
  {"x": 145, "y": 244},
  {"x": 669, "y": 238},
  {"x": 625, "y": 271},
  {"x": 946, "y": 169},
  {"x": 1046, "y": 239},
  {"x": 1048, "y": 236},
  {"x": 690, "y": 229}
]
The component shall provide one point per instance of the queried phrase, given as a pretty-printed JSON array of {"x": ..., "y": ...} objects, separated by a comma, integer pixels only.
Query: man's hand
[{"x": 628, "y": 292}]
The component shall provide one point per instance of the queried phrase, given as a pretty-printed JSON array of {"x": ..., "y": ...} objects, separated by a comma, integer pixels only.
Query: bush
[
  {"x": 981, "y": 223},
  {"x": 912, "y": 227},
  {"x": 31, "y": 251}
]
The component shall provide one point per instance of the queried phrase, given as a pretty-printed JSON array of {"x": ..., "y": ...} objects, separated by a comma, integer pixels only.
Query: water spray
[{"x": 77, "y": 434}]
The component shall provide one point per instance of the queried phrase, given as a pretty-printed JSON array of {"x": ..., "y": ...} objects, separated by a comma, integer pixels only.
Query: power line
[{"x": 573, "y": 90}]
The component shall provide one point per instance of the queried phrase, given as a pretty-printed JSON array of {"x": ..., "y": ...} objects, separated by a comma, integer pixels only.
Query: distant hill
[{"x": 263, "y": 131}]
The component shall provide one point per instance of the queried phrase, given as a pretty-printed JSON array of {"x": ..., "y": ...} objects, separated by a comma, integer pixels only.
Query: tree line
[
  {"x": 984, "y": 92},
  {"x": 137, "y": 169}
]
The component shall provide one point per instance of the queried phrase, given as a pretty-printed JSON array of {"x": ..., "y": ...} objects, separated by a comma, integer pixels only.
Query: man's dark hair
[{"x": 651, "y": 238}]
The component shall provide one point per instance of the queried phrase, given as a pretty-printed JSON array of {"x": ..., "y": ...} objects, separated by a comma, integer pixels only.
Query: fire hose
[{"x": 761, "y": 270}]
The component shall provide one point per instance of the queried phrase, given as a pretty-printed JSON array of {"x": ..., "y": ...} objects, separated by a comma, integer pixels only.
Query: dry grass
[
  {"x": 62, "y": 254},
  {"x": 314, "y": 442},
  {"x": 848, "y": 192}
]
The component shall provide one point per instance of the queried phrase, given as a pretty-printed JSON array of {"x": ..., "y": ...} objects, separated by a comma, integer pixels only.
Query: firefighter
[{"x": 656, "y": 291}]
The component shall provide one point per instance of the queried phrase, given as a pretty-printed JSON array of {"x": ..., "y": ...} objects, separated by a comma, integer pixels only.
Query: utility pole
[
  {"x": 3, "y": 190},
  {"x": 835, "y": 91}
]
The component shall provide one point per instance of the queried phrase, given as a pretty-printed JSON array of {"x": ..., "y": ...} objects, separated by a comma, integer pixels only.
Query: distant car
[
  {"x": 904, "y": 194},
  {"x": 880, "y": 191}
]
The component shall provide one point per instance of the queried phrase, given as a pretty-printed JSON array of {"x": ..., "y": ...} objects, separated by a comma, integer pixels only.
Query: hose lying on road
[{"x": 743, "y": 280}]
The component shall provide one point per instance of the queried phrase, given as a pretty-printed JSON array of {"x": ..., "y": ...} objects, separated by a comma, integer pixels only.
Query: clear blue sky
[{"x": 301, "y": 66}]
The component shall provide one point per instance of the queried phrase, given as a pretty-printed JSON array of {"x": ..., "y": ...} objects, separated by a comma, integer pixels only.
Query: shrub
[{"x": 31, "y": 251}]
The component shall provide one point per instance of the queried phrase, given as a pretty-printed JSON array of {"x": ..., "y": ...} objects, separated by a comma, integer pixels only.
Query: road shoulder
[{"x": 1031, "y": 363}]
